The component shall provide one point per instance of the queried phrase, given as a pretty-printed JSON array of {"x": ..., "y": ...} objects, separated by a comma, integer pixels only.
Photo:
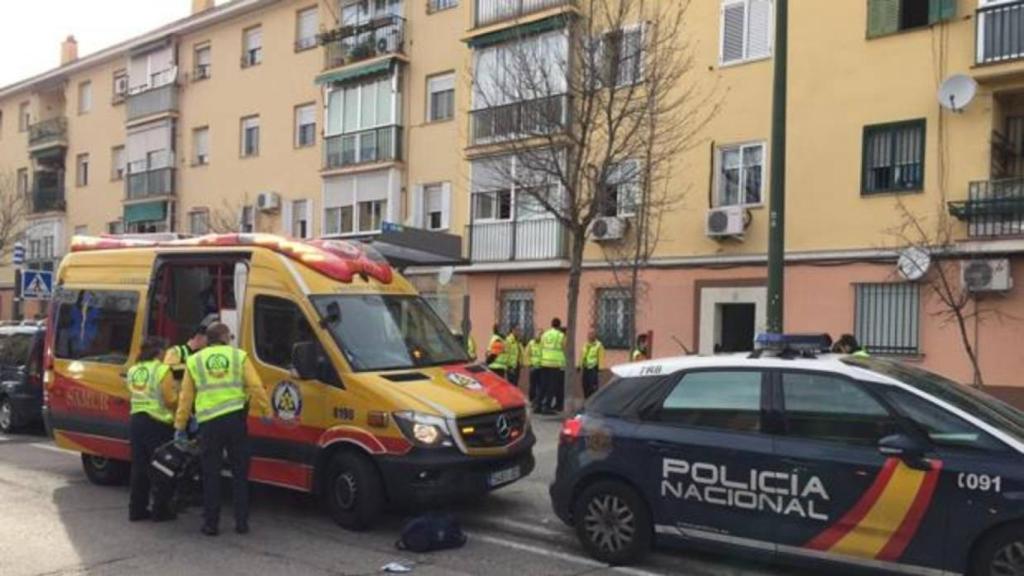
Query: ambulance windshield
[{"x": 379, "y": 332}]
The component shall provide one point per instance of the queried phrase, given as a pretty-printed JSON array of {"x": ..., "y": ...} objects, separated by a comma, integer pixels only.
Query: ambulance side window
[
  {"x": 95, "y": 325},
  {"x": 724, "y": 400},
  {"x": 279, "y": 324},
  {"x": 823, "y": 407},
  {"x": 943, "y": 428}
]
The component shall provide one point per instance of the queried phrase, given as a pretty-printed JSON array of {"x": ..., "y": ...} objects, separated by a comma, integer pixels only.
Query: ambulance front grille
[{"x": 493, "y": 430}]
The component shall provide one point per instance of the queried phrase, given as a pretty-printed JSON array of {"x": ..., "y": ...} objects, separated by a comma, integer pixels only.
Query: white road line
[
  {"x": 563, "y": 556},
  {"x": 520, "y": 526}
]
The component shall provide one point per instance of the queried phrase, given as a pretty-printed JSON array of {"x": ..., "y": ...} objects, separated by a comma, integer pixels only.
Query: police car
[{"x": 814, "y": 459}]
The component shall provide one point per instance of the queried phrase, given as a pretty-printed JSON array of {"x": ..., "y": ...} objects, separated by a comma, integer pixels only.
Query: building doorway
[
  {"x": 730, "y": 317},
  {"x": 736, "y": 332}
]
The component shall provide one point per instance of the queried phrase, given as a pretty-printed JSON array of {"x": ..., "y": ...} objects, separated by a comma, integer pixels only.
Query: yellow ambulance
[{"x": 375, "y": 401}]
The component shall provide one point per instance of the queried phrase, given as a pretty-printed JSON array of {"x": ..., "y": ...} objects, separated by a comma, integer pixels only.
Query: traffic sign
[
  {"x": 36, "y": 285},
  {"x": 18, "y": 254}
]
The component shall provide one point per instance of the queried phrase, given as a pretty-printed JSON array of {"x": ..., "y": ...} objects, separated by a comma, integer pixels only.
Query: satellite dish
[
  {"x": 914, "y": 263},
  {"x": 957, "y": 92},
  {"x": 444, "y": 275}
]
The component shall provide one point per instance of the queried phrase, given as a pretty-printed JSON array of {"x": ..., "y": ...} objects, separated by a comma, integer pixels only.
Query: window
[
  {"x": 24, "y": 117},
  {"x": 201, "y": 146},
  {"x": 23, "y": 181},
  {"x": 436, "y": 200},
  {"x": 725, "y": 400},
  {"x": 620, "y": 57},
  {"x": 942, "y": 427},
  {"x": 887, "y": 317},
  {"x": 115, "y": 227},
  {"x": 82, "y": 230},
  {"x": 120, "y": 85},
  {"x": 495, "y": 205},
  {"x": 622, "y": 191},
  {"x": 746, "y": 30},
  {"x": 279, "y": 324},
  {"x": 893, "y": 157},
  {"x": 199, "y": 222},
  {"x": 338, "y": 220},
  {"x": 891, "y": 16},
  {"x": 297, "y": 219},
  {"x": 614, "y": 318},
  {"x": 305, "y": 29},
  {"x": 252, "y": 46},
  {"x": 831, "y": 409},
  {"x": 117, "y": 163},
  {"x": 740, "y": 174},
  {"x": 517, "y": 310},
  {"x": 305, "y": 125},
  {"x": 250, "y": 136},
  {"x": 95, "y": 325},
  {"x": 82, "y": 170},
  {"x": 84, "y": 97},
  {"x": 247, "y": 224},
  {"x": 441, "y": 97},
  {"x": 202, "y": 58},
  {"x": 439, "y": 5},
  {"x": 371, "y": 215}
]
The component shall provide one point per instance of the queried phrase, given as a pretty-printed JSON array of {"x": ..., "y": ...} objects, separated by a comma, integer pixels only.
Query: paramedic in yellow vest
[
  {"x": 153, "y": 400},
  {"x": 514, "y": 355},
  {"x": 552, "y": 362},
  {"x": 471, "y": 347},
  {"x": 177, "y": 356},
  {"x": 591, "y": 362},
  {"x": 641, "y": 352},
  {"x": 222, "y": 382},
  {"x": 497, "y": 353},
  {"x": 531, "y": 359}
]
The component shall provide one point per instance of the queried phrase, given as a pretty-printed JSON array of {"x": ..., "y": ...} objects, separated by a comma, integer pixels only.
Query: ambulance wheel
[
  {"x": 104, "y": 471},
  {"x": 612, "y": 522},
  {"x": 353, "y": 491},
  {"x": 1001, "y": 553}
]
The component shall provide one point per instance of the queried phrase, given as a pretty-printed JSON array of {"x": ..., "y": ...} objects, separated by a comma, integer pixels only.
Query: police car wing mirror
[
  {"x": 907, "y": 448},
  {"x": 305, "y": 358},
  {"x": 332, "y": 315}
]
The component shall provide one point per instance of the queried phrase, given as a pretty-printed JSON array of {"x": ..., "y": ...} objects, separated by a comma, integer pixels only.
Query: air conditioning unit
[
  {"x": 986, "y": 275},
  {"x": 727, "y": 222},
  {"x": 268, "y": 202},
  {"x": 608, "y": 229},
  {"x": 121, "y": 86}
]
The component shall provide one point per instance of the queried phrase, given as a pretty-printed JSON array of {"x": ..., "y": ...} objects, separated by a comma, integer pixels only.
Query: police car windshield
[
  {"x": 378, "y": 332},
  {"x": 980, "y": 405}
]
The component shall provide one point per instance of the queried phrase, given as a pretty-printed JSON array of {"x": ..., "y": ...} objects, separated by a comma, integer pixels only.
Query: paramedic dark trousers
[
  {"x": 590, "y": 381},
  {"x": 147, "y": 435},
  {"x": 552, "y": 392},
  {"x": 225, "y": 432}
]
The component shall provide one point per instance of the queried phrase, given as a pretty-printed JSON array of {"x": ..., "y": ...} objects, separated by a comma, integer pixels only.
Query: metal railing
[
  {"x": 515, "y": 240},
  {"x": 149, "y": 184},
  {"x": 1000, "y": 33},
  {"x": 357, "y": 42},
  {"x": 52, "y": 131},
  {"x": 523, "y": 119},
  {"x": 48, "y": 192},
  {"x": 152, "y": 101},
  {"x": 365, "y": 147},
  {"x": 993, "y": 208},
  {"x": 493, "y": 11}
]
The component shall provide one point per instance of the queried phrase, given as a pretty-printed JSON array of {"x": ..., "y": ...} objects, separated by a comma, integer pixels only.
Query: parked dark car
[{"x": 21, "y": 376}]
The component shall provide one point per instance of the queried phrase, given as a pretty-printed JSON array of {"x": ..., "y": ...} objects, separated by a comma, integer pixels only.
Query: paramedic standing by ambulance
[
  {"x": 590, "y": 363},
  {"x": 221, "y": 381},
  {"x": 177, "y": 356},
  {"x": 552, "y": 361},
  {"x": 153, "y": 398}
]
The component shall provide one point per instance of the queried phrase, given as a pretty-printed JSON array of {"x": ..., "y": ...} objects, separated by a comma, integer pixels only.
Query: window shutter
[
  {"x": 446, "y": 205},
  {"x": 286, "y": 218},
  {"x": 733, "y": 17},
  {"x": 883, "y": 17},
  {"x": 941, "y": 10},
  {"x": 416, "y": 207},
  {"x": 759, "y": 29},
  {"x": 308, "y": 216}
]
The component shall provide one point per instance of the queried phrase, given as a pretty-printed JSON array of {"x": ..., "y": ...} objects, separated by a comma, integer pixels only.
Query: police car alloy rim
[
  {"x": 609, "y": 523},
  {"x": 1008, "y": 560},
  {"x": 345, "y": 490}
]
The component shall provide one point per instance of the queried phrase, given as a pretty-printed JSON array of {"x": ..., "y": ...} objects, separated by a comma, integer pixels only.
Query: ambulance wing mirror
[
  {"x": 305, "y": 360},
  {"x": 907, "y": 448}
]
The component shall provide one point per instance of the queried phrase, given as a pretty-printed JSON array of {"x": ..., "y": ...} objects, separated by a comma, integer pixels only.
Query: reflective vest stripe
[
  {"x": 224, "y": 407},
  {"x": 218, "y": 395}
]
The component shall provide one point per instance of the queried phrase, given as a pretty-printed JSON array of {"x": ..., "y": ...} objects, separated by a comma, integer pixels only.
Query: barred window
[
  {"x": 614, "y": 320},
  {"x": 893, "y": 157},
  {"x": 888, "y": 318},
  {"x": 517, "y": 309}
]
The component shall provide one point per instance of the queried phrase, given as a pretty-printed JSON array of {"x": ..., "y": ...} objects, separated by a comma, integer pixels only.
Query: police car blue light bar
[{"x": 795, "y": 342}]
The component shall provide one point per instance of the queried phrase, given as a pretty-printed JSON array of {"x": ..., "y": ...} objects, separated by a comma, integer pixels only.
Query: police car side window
[
  {"x": 942, "y": 427},
  {"x": 279, "y": 324},
  {"x": 724, "y": 400},
  {"x": 823, "y": 407}
]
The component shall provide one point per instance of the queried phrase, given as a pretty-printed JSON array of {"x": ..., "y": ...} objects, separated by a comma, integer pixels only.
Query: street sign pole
[
  {"x": 18, "y": 258},
  {"x": 777, "y": 208}
]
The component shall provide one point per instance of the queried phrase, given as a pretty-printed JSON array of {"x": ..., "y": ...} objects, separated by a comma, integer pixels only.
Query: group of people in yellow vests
[{"x": 205, "y": 385}]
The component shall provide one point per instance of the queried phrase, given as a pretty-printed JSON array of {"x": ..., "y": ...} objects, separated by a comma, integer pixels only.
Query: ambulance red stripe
[
  {"x": 908, "y": 528},
  {"x": 281, "y": 473},
  {"x": 100, "y": 445},
  {"x": 849, "y": 521}
]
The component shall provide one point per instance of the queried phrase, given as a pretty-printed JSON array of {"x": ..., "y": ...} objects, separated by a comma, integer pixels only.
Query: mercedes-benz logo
[{"x": 503, "y": 427}]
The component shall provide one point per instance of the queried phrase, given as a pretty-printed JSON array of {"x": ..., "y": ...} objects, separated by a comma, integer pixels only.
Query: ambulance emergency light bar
[{"x": 798, "y": 343}]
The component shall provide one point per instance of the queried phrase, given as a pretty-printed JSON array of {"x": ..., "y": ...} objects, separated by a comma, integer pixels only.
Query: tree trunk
[
  {"x": 961, "y": 324},
  {"x": 573, "y": 389}
]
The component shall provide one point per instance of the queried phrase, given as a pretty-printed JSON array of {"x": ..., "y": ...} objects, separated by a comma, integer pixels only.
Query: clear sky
[{"x": 31, "y": 30}]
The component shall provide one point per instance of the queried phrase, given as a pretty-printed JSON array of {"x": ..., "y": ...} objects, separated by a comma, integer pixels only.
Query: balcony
[
  {"x": 48, "y": 133},
  {"x": 152, "y": 101},
  {"x": 154, "y": 183},
  {"x": 994, "y": 208},
  {"x": 1000, "y": 33},
  {"x": 538, "y": 117},
  {"x": 47, "y": 193},
  {"x": 366, "y": 147},
  {"x": 517, "y": 240},
  {"x": 489, "y": 12},
  {"x": 354, "y": 43}
]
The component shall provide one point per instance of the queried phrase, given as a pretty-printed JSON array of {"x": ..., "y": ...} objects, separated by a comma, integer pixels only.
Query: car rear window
[{"x": 623, "y": 396}]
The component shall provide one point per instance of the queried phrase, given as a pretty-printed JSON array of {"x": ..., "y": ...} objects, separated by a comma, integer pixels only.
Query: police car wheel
[
  {"x": 7, "y": 417},
  {"x": 104, "y": 471},
  {"x": 1001, "y": 553},
  {"x": 612, "y": 522},
  {"x": 353, "y": 491}
]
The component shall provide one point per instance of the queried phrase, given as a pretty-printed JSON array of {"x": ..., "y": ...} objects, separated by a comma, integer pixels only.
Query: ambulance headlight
[{"x": 423, "y": 429}]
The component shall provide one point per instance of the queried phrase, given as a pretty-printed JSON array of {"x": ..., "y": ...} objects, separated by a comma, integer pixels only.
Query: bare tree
[
  {"x": 14, "y": 207},
  {"x": 227, "y": 218},
  {"x": 574, "y": 114}
]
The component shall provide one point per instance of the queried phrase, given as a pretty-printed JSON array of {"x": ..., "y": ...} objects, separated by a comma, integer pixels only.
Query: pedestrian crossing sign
[{"x": 36, "y": 285}]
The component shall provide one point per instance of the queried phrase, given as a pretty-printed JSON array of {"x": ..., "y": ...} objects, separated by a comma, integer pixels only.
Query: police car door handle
[{"x": 660, "y": 445}]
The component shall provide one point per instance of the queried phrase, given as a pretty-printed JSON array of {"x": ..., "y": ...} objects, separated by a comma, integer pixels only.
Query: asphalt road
[{"x": 54, "y": 522}]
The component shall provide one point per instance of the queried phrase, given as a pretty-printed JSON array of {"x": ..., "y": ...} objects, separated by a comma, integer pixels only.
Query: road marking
[
  {"x": 563, "y": 556},
  {"x": 520, "y": 527}
]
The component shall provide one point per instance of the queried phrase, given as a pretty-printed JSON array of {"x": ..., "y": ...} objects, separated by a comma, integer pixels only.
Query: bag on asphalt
[
  {"x": 431, "y": 532},
  {"x": 172, "y": 461}
]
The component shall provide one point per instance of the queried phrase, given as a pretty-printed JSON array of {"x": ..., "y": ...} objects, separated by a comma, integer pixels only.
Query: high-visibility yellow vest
[
  {"x": 220, "y": 386},
  {"x": 638, "y": 355},
  {"x": 182, "y": 351},
  {"x": 144, "y": 381},
  {"x": 862, "y": 353},
  {"x": 471, "y": 347},
  {"x": 552, "y": 345},
  {"x": 592, "y": 352},
  {"x": 533, "y": 353},
  {"x": 512, "y": 351},
  {"x": 498, "y": 349}
]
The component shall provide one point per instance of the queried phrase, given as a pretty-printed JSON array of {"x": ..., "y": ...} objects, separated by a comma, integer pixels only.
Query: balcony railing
[
  {"x": 517, "y": 240},
  {"x": 519, "y": 120},
  {"x": 1000, "y": 32},
  {"x": 993, "y": 208},
  {"x": 366, "y": 147},
  {"x": 357, "y": 42},
  {"x": 52, "y": 131},
  {"x": 153, "y": 101},
  {"x": 493, "y": 11},
  {"x": 48, "y": 192},
  {"x": 149, "y": 184}
]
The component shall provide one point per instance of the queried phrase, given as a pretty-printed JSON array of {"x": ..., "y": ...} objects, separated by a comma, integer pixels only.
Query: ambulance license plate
[{"x": 502, "y": 477}]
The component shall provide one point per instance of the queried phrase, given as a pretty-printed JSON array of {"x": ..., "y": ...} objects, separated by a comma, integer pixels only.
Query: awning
[
  {"x": 528, "y": 29},
  {"x": 347, "y": 74},
  {"x": 145, "y": 212}
]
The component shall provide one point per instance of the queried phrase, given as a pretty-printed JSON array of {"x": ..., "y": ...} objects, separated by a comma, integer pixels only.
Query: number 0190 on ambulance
[{"x": 375, "y": 401}]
